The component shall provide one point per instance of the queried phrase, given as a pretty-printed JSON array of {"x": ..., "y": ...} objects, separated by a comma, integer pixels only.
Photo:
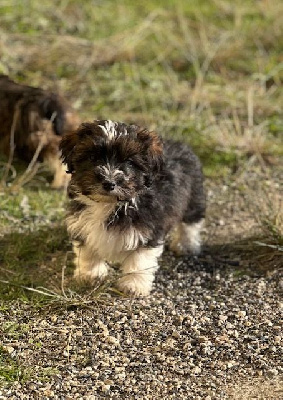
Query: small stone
[
  {"x": 277, "y": 339},
  {"x": 9, "y": 349},
  {"x": 230, "y": 364},
  {"x": 113, "y": 340},
  {"x": 176, "y": 335},
  {"x": 196, "y": 370},
  {"x": 241, "y": 314},
  {"x": 53, "y": 318},
  {"x": 105, "y": 388},
  {"x": 272, "y": 372}
]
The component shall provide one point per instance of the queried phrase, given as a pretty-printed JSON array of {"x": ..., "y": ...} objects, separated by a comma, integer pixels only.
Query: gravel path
[
  {"x": 203, "y": 334},
  {"x": 208, "y": 331}
]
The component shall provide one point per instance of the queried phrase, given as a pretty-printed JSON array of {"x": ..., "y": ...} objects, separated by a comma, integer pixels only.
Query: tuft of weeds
[
  {"x": 25, "y": 207},
  {"x": 269, "y": 213},
  {"x": 35, "y": 266},
  {"x": 266, "y": 205},
  {"x": 265, "y": 250}
]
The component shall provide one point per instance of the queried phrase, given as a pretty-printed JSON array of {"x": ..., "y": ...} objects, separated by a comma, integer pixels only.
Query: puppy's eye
[
  {"x": 92, "y": 157},
  {"x": 120, "y": 180},
  {"x": 130, "y": 163},
  {"x": 134, "y": 164}
]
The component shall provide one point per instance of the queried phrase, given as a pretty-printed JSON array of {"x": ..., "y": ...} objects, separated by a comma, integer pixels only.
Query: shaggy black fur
[{"x": 155, "y": 183}]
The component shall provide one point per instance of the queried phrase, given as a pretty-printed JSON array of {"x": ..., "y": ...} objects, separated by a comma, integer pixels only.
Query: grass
[
  {"x": 32, "y": 259},
  {"x": 267, "y": 249},
  {"x": 205, "y": 72},
  {"x": 11, "y": 370}
]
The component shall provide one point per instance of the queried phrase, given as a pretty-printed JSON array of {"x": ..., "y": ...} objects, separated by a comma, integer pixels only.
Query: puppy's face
[{"x": 111, "y": 161}]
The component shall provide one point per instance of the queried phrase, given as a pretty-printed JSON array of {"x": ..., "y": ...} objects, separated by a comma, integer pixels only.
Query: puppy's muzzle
[{"x": 109, "y": 186}]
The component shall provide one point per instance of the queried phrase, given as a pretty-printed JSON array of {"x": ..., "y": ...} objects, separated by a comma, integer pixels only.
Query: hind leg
[{"x": 186, "y": 238}]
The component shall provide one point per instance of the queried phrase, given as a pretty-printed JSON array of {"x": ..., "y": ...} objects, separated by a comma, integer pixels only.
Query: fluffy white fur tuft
[
  {"x": 88, "y": 265},
  {"x": 110, "y": 129},
  {"x": 186, "y": 238},
  {"x": 111, "y": 244},
  {"x": 99, "y": 244},
  {"x": 138, "y": 271}
]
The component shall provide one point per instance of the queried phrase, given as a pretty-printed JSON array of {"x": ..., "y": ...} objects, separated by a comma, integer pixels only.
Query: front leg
[
  {"x": 89, "y": 265},
  {"x": 138, "y": 271},
  {"x": 60, "y": 177}
]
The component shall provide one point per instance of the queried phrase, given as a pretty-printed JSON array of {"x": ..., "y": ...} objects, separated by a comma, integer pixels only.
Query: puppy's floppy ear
[
  {"x": 67, "y": 146},
  {"x": 86, "y": 134},
  {"x": 156, "y": 151},
  {"x": 154, "y": 147}
]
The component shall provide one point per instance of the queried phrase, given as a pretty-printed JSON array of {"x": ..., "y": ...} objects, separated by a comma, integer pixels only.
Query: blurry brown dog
[{"x": 33, "y": 119}]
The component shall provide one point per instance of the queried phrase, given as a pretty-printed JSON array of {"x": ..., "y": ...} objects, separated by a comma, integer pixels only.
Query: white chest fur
[{"x": 90, "y": 225}]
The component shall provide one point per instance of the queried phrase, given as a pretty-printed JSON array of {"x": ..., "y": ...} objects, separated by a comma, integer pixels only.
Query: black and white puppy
[{"x": 128, "y": 190}]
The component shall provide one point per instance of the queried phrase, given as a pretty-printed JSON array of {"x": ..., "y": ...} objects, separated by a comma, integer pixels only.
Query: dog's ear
[
  {"x": 87, "y": 134},
  {"x": 67, "y": 146},
  {"x": 154, "y": 147},
  {"x": 156, "y": 151},
  {"x": 51, "y": 107}
]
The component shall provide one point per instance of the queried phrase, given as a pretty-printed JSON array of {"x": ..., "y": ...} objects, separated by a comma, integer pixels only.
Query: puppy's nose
[{"x": 107, "y": 185}]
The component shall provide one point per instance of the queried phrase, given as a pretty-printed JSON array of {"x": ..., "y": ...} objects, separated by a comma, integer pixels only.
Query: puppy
[
  {"x": 31, "y": 117},
  {"x": 128, "y": 190}
]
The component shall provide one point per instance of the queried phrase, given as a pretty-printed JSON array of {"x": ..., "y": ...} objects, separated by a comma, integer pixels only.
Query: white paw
[
  {"x": 135, "y": 283},
  {"x": 184, "y": 248},
  {"x": 186, "y": 239},
  {"x": 98, "y": 272}
]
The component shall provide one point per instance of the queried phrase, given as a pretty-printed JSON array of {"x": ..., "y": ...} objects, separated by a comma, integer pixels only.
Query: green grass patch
[
  {"x": 35, "y": 203},
  {"x": 12, "y": 370},
  {"x": 32, "y": 260},
  {"x": 29, "y": 205}
]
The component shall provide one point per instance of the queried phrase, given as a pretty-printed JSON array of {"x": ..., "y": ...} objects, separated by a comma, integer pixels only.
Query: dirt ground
[{"x": 211, "y": 328}]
